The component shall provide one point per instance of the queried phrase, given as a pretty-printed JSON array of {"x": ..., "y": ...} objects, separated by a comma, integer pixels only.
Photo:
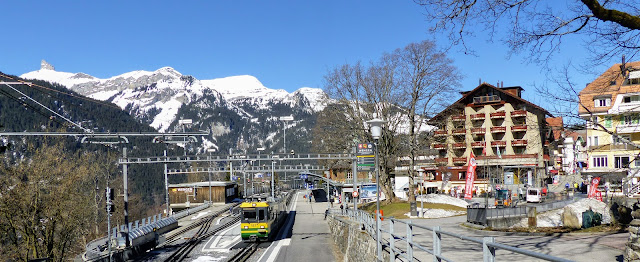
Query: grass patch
[{"x": 400, "y": 208}]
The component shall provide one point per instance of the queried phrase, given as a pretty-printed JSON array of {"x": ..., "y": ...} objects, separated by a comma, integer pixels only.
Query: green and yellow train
[{"x": 261, "y": 220}]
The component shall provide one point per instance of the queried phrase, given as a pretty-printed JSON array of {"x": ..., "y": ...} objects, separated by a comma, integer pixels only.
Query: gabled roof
[
  {"x": 467, "y": 94},
  {"x": 609, "y": 84}
]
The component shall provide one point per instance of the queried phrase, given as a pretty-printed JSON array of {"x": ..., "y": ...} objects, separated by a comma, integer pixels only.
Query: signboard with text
[{"x": 366, "y": 157}]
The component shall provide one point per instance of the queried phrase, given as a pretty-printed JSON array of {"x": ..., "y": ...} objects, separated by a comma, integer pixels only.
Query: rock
[
  {"x": 45, "y": 65},
  {"x": 570, "y": 219}
]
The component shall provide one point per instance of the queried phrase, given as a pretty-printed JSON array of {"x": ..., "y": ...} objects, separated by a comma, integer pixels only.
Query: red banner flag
[
  {"x": 594, "y": 187},
  {"x": 471, "y": 175}
]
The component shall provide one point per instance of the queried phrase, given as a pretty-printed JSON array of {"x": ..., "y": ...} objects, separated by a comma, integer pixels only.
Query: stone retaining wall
[{"x": 351, "y": 241}]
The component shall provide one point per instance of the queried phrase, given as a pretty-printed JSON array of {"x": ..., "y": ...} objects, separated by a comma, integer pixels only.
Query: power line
[{"x": 45, "y": 107}]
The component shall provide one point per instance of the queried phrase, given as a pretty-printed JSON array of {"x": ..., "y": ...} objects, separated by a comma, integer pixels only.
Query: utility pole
[{"x": 126, "y": 197}]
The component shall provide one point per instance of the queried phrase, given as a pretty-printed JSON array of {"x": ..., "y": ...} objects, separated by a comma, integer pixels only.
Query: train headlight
[
  {"x": 261, "y": 226},
  {"x": 246, "y": 227}
]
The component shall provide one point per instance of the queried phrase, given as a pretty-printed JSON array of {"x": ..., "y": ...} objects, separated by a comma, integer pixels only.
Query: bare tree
[
  {"x": 610, "y": 28},
  {"x": 362, "y": 92},
  {"x": 403, "y": 87},
  {"x": 428, "y": 80},
  {"x": 44, "y": 208}
]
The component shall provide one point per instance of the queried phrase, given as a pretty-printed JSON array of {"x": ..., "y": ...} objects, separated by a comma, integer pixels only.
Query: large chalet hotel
[{"x": 506, "y": 133}]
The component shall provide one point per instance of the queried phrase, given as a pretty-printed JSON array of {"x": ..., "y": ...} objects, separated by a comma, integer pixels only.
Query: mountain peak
[{"x": 46, "y": 66}]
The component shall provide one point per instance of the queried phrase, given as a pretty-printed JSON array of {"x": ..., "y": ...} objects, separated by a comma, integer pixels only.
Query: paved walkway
[{"x": 310, "y": 238}]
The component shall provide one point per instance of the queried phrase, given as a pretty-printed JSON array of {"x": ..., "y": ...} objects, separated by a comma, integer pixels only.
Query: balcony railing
[
  {"x": 459, "y": 131},
  {"x": 478, "y": 130},
  {"x": 519, "y": 142},
  {"x": 519, "y": 128},
  {"x": 459, "y": 118},
  {"x": 501, "y": 114},
  {"x": 458, "y": 160},
  {"x": 459, "y": 145},
  {"x": 486, "y": 99},
  {"x": 498, "y": 129},
  {"x": 439, "y": 146},
  {"x": 440, "y": 133},
  {"x": 518, "y": 113},
  {"x": 499, "y": 143},
  {"x": 477, "y": 117},
  {"x": 478, "y": 144}
]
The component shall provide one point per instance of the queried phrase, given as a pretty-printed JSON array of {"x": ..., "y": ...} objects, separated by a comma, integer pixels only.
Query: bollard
[{"x": 437, "y": 244}]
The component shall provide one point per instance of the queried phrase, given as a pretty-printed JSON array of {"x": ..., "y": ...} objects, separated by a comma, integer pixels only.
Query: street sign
[
  {"x": 304, "y": 176},
  {"x": 366, "y": 157},
  {"x": 355, "y": 193}
]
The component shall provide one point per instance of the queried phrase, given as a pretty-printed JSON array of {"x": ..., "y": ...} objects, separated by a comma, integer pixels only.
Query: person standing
[{"x": 341, "y": 209}]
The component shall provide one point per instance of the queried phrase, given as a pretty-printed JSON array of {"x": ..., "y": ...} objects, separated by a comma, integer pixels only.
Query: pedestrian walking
[
  {"x": 341, "y": 209},
  {"x": 326, "y": 212}
]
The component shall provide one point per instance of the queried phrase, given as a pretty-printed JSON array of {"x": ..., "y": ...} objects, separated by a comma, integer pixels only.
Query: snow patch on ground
[
  {"x": 208, "y": 259},
  {"x": 442, "y": 199},
  {"x": 554, "y": 218},
  {"x": 438, "y": 213},
  {"x": 199, "y": 215}
]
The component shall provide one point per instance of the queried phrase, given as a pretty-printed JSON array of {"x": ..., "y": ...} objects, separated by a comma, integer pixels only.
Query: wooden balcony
[
  {"x": 477, "y": 117},
  {"x": 518, "y": 113},
  {"x": 498, "y": 129},
  {"x": 486, "y": 99},
  {"x": 440, "y": 133},
  {"x": 439, "y": 146},
  {"x": 459, "y": 131},
  {"x": 459, "y": 160},
  {"x": 501, "y": 114},
  {"x": 519, "y": 128},
  {"x": 480, "y": 144},
  {"x": 519, "y": 142},
  {"x": 442, "y": 160},
  {"x": 459, "y": 145},
  {"x": 459, "y": 118},
  {"x": 499, "y": 143},
  {"x": 478, "y": 130}
]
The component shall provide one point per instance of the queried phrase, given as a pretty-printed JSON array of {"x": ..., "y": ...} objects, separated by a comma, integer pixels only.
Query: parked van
[{"x": 534, "y": 195}]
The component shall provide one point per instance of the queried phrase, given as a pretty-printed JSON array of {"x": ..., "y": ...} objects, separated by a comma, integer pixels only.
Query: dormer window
[
  {"x": 631, "y": 99},
  {"x": 601, "y": 102}
]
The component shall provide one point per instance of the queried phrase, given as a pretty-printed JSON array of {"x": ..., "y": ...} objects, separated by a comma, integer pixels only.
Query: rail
[{"x": 406, "y": 246}]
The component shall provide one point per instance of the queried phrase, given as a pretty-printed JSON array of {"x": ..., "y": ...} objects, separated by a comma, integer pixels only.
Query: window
[
  {"x": 621, "y": 162},
  {"x": 600, "y": 161},
  {"x": 595, "y": 141},
  {"x": 607, "y": 121},
  {"x": 631, "y": 99},
  {"x": 636, "y": 162},
  {"x": 617, "y": 139},
  {"x": 632, "y": 81},
  {"x": 626, "y": 120},
  {"x": 600, "y": 102},
  {"x": 462, "y": 175}
]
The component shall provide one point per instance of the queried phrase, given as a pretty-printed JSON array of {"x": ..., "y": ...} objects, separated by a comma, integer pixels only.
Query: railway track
[
  {"x": 203, "y": 233},
  {"x": 245, "y": 253}
]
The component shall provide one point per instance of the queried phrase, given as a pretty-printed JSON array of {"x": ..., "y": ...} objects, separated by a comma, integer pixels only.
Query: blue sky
[{"x": 285, "y": 44}]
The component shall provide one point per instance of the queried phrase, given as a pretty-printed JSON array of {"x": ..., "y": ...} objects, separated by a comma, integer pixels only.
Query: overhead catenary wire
[
  {"x": 45, "y": 107},
  {"x": 12, "y": 97}
]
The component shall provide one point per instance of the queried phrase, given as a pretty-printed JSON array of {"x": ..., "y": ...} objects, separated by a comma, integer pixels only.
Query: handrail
[{"x": 488, "y": 243}]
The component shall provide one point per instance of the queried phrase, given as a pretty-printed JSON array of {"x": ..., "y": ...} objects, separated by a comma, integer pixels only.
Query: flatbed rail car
[{"x": 261, "y": 220}]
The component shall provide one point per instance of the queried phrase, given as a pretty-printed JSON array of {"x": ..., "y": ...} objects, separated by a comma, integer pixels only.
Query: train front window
[
  {"x": 249, "y": 215},
  {"x": 261, "y": 215}
]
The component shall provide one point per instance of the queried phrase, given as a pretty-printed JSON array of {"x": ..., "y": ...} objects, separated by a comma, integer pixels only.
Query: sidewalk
[{"x": 310, "y": 239}]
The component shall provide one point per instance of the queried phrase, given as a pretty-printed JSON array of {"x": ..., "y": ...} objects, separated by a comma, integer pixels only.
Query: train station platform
[{"x": 310, "y": 238}]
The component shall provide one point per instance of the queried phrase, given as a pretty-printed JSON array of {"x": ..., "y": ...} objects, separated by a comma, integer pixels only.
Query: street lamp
[{"x": 375, "y": 125}]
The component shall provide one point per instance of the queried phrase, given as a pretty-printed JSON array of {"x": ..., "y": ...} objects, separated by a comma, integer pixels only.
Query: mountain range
[{"x": 239, "y": 112}]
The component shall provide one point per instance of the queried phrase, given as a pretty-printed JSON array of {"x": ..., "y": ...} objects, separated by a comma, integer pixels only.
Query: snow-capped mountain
[{"x": 239, "y": 108}]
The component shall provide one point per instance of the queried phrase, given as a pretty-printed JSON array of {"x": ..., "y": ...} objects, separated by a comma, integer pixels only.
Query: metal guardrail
[{"x": 396, "y": 242}]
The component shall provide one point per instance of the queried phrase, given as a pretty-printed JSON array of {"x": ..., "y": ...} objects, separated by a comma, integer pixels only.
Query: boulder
[{"x": 570, "y": 219}]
